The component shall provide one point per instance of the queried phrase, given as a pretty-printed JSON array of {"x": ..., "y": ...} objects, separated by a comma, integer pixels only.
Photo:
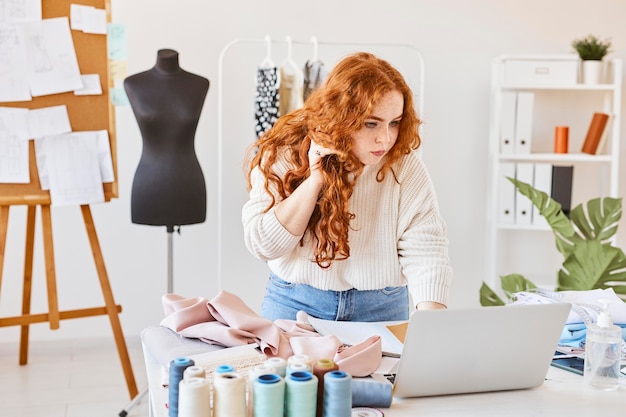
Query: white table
[{"x": 562, "y": 394}]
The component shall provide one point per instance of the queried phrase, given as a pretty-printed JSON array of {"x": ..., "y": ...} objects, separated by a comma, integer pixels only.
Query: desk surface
[{"x": 563, "y": 393}]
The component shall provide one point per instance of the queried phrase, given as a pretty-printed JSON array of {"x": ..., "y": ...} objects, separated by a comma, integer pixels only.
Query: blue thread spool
[
  {"x": 222, "y": 369},
  {"x": 269, "y": 396},
  {"x": 177, "y": 369},
  {"x": 337, "y": 394},
  {"x": 301, "y": 394}
]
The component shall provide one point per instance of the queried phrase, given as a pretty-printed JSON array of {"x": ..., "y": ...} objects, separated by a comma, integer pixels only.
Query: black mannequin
[{"x": 168, "y": 188}]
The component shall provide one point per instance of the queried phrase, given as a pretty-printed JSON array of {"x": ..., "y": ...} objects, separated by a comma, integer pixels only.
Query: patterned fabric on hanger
[
  {"x": 314, "y": 76},
  {"x": 267, "y": 99}
]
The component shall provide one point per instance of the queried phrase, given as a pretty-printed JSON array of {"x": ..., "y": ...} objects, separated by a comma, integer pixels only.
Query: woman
[{"x": 342, "y": 208}]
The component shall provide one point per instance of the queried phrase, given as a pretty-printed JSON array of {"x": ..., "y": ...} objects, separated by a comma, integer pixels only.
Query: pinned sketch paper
[
  {"x": 88, "y": 19},
  {"x": 14, "y": 166},
  {"x": 14, "y": 122},
  {"x": 104, "y": 156},
  {"x": 51, "y": 57},
  {"x": 20, "y": 11},
  {"x": 116, "y": 41},
  {"x": 48, "y": 121},
  {"x": 73, "y": 169},
  {"x": 78, "y": 13},
  {"x": 91, "y": 86},
  {"x": 118, "y": 70},
  {"x": 40, "y": 160},
  {"x": 13, "y": 66},
  {"x": 105, "y": 161}
]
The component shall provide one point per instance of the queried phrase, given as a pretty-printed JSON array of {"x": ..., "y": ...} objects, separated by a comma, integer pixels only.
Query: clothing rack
[{"x": 316, "y": 47}]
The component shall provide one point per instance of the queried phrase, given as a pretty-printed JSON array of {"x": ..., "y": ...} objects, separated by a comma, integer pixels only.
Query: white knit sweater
[{"x": 397, "y": 237}]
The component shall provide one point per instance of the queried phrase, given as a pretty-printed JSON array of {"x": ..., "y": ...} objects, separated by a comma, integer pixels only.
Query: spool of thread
[
  {"x": 301, "y": 394},
  {"x": 279, "y": 364},
  {"x": 337, "y": 394},
  {"x": 298, "y": 367},
  {"x": 561, "y": 139},
  {"x": 300, "y": 358},
  {"x": 253, "y": 374},
  {"x": 366, "y": 412},
  {"x": 194, "y": 397},
  {"x": 320, "y": 368},
  {"x": 370, "y": 392},
  {"x": 229, "y": 395},
  {"x": 177, "y": 369},
  {"x": 194, "y": 372},
  {"x": 222, "y": 369},
  {"x": 269, "y": 396}
]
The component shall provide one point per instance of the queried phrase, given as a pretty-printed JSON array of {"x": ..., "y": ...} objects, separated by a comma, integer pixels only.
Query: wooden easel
[
  {"x": 54, "y": 316},
  {"x": 86, "y": 113}
]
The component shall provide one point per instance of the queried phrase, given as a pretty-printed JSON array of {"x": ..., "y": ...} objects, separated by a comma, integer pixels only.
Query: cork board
[{"x": 90, "y": 112}]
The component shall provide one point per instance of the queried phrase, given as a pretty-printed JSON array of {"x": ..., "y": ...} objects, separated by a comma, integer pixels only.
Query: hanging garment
[
  {"x": 267, "y": 98},
  {"x": 291, "y": 87},
  {"x": 314, "y": 76}
]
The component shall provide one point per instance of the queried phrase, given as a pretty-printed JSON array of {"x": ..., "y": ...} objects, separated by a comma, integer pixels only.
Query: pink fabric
[{"x": 227, "y": 321}]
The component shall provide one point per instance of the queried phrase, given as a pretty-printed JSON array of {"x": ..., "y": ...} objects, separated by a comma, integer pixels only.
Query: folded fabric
[
  {"x": 227, "y": 321},
  {"x": 586, "y": 305}
]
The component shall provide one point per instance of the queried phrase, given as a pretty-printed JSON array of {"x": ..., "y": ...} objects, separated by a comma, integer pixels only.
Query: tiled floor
[{"x": 70, "y": 378}]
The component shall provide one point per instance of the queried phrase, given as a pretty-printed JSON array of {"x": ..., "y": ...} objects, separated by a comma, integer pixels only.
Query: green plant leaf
[
  {"x": 564, "y": 233},
  {"x": 604, "y": 215},
  {"x": 590, "y": 260},
  {"x": 488, "y": 298},
  {"x": 513, "y": 283},
  {"x": 593, "y": 265},
  {"x": 591, "y": 47}
]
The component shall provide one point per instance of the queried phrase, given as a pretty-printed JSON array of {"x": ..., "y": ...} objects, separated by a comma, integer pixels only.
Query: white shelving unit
[{"x": 559, "y": 102}]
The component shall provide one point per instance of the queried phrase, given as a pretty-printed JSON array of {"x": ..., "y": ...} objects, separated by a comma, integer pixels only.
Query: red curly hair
[{"x": 331, "y": 115}]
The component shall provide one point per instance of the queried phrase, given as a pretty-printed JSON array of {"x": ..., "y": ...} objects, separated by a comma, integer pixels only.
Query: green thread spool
[
  {"x": 301, "y": 394},
  {"x": 269, "y": 396}
]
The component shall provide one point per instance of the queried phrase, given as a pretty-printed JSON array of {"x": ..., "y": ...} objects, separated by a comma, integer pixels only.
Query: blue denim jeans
[{"x": 284, "y": 299}]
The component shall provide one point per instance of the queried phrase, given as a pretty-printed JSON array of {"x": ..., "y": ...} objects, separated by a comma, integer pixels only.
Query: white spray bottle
[{"x": 603, "y": 351}]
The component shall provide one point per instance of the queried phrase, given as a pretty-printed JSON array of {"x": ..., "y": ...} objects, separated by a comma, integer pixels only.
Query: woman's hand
[
  {"x": 316, "y": 154},
  {"x": 430, "y": 305}
]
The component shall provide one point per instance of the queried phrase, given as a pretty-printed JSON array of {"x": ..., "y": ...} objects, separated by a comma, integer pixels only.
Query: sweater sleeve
[
  {"x": 422, "y": 240},
  {"x": 264, "y": 235}
]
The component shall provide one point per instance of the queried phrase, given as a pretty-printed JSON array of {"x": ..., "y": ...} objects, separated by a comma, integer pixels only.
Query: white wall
[{"x": 458, "y": 40}]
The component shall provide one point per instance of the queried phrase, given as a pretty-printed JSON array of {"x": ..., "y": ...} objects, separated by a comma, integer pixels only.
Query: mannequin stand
[{"x": 170, "y": 290}]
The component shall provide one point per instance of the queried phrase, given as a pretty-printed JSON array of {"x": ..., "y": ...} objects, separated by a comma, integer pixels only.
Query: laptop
[{"x": 482, "y": 349}]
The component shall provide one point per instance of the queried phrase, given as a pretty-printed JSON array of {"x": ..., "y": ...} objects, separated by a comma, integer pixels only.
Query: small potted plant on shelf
[
  {"x": 590, "y": 259},
  {"x": 591, "y": 51}
]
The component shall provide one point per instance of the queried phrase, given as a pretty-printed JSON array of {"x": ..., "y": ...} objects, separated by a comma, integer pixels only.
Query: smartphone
[{"x": 569, "y": 362}]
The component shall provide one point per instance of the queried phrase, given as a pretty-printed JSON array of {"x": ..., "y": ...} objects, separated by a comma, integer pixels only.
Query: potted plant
[
  {"x": 584, "y": 239},
  {"x": 591, "y": 51}
]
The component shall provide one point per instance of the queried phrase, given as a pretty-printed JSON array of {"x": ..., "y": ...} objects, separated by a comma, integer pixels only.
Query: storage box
[{"x": 540, "y": 69}]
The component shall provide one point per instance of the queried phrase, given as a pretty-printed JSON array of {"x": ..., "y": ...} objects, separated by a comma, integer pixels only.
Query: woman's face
[{"x": 380, "y": 130}]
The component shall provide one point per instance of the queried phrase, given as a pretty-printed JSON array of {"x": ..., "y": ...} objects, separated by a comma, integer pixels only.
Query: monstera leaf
[
  {"x": 590, "y": 260},
  {"x": 593, "y": 265},
  {"x": 511, "y": 284}
]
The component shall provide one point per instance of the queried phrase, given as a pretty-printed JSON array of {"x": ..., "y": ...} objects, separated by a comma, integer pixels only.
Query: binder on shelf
[
  {"x": 596, "y": 129},
  {"x": 507, "y": 122},
  {"x": 524, "y": 172},
  {"x": 506, "y": 193},
  {"x": 524, "y": 122},
  {"x": 543, "y": 182},
  {"x": 602, "y": 145},
  {"x": 562, "y": 180}
]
